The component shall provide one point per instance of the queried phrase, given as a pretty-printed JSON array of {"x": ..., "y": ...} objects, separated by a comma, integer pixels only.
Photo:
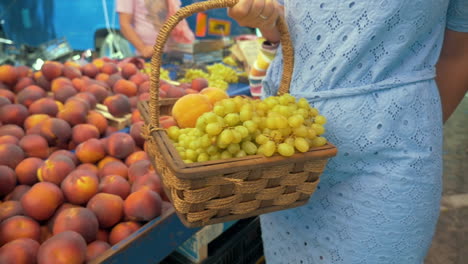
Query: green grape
[
  {"x": 245, "y": 114},
  {"x": 226, "y": 155},
  {"x": 269, "y": 148},
  {"x": 226, "y": 137},
  {"x": 248, "y": 138},
  {"x": 301, "y": 144},
  {"x": 276, "y": 135},
  {"x": 173, "y": 132},
  {"x": 237, "y": 137},
  {"x": 211, "y": 150},
  {"x": 191, "y": 154},
  {"x": 314, "y": 111},
  {"x": 295, "y": 121},
  {"x": 232, "y": 119},
  {"x": 210, "y": 117},
  {"x": 285, "y": 150},
  {"x": 216, "y": 156},
  {"x": 240, "y": 154},
  {"x": 242, "y": 130},
  {"x": 229, "y": 106},
  {"x": 203, "y": 157},
  {"x": 213, "y": 129},
  {"x": 188, "y": 161},
  {"x": 284, "y": 111},
  {"x": 182, "y": 155},
  {"x": 271, "y": 102},
  {"x": 180, "y": 148},
  {"x": 285, "y": 132},
  {"x": 303, "y": 112},
  {"x": 319, "y": 141},
  {"x": 320, "y": 119},
  {"x": 301, "y": 131},
  {"x": 195, "y": 144},
  {"x": 319, "y": 129},
  {"x": 250, "y": 125},
  {"x": 271, "y": 122},
  {"x": 289, "y": 141},
  {"x": 261, "y": 139},
  {"x": 249, "y": 147},
  {"x": 205, "y": 141},
  {"x": 262, "y": 106},
  {"x": 219, "y": 110},
  {"x": 302, "y": 103},
  {"x": 200, "y": 151},
  {"x": 281, "y": 122},
  {"x": 283, "y": 100},
  {"x": 233, "y": 148},
  {"x": 311, "y": 133}
]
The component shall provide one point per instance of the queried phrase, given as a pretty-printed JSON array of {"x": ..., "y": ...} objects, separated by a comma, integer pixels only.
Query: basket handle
[{"x": 182, "y": 13}]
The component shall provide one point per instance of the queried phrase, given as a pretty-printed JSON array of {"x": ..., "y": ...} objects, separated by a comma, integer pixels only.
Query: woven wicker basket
[{"x": 205, "y": 193}]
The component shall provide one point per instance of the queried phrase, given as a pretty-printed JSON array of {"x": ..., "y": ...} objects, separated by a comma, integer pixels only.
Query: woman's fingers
[{"x": 255, "y": 13}]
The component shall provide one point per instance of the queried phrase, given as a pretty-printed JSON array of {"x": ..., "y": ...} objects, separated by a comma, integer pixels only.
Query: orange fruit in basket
[
  {"x": 214, "y": 94},
  {"x": 188, "y": 108}
]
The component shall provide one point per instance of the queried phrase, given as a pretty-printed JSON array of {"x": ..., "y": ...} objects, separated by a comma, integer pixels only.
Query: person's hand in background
[
  {"x": 146, "y": 51},
  {"x": 261, "y": 14}
]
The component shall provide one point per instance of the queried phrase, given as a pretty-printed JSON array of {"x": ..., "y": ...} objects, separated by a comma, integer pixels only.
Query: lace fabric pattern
[{"x": 369, "y": 67}]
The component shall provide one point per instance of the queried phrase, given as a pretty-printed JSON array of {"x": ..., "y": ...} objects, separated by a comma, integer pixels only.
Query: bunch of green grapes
[
  {"x": 238, "y": 127},
  {"x": 164, "y": 74},
  {"x": 191, "y": 74},
  {"x": 214, "y": 81},
  {"x": 223, "y": 72}
]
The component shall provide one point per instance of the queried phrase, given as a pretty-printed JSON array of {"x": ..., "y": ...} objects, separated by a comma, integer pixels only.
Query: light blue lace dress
[{"x": 369, "y": 67}]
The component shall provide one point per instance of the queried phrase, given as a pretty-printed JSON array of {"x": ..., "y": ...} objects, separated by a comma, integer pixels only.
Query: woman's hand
[
  {"x": 261, "y": 14},
  {"x": 146, "y": 52}
]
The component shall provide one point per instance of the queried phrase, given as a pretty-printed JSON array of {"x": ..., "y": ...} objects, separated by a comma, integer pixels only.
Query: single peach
[
  {"x": 125, "y": 87},
  {"x": 71, "y": 72},
  {"x": 59, "y": 83},
  {"x": 138, "y": 169},
  {"x": 64, "y": 93},
  {"x": 143, "y": 205},
  {"x": 88, "y": 97},
  {"x": 98, "y": 91},
  {"x": 9, "y": 139},
  {"x": 90, "y": 151},
  {"x": 8, "y": 74},
  {"x": 115, "y": 184},
  {"x": 98, "y": 120},
  {"x": 114, "y": 168},
  {"x": 23, "y": 83},
  {"x": 144, "y": 87},
  {"x": 8, "y": 95},
  {"x": 136, "y": 156},
  {"x": 17, "y": 193},
  {"x": 26, "y": 170},
  {"x": 17, "y": 227},
  {"x": 109, "y": 68},
  {"x": 214, "y": 94},
  {"x": 68, "y": 247},
  {"x": 129, "y": 69},
  {"x": 44, "y": 106},
  {"x": 73, "y": 113},
  {"x": 120, "y": 145},
  {"x": 55, "y": 169},
  {"x": 41, "y": 200},
  {"x": 122, "y": 231},
  {"x": 139, "y": 78},
  {"x": 118, "y": 105},
  {"x": 106, "y": 159},
  {"x": 13, "y": 130},
  {"x": 9, "y": 209},
  {"x": 78, "y": 219},
  {"x": 83, "y": 132},
  {"x": 13, "y": 114},
  {"x": 95, "y": 249},
  {"x": 56, "y": 131},
  {"x": 88, "y": 166},
  {"x": 35, "y": 146},
  {"x": 52, "y": 70},
  {"x": 19, "y": 251},
  {"x": 79, "y": 186},
  {"x": 108, "y": 209},
  {"x": 10, "y": 155},
  {"x": 90, "y": 70},
  {"x": 113, "y": 78},
  {"x": 66, "y": 153}
]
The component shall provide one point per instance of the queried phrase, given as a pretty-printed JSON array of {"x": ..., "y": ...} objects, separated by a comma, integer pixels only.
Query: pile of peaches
[{"x": 71, "y": 186}]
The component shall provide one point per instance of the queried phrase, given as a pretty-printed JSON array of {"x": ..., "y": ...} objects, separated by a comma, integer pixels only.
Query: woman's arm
[
  {"x": 129, "y": 33},
  {"x": 452, "y": 71}
]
